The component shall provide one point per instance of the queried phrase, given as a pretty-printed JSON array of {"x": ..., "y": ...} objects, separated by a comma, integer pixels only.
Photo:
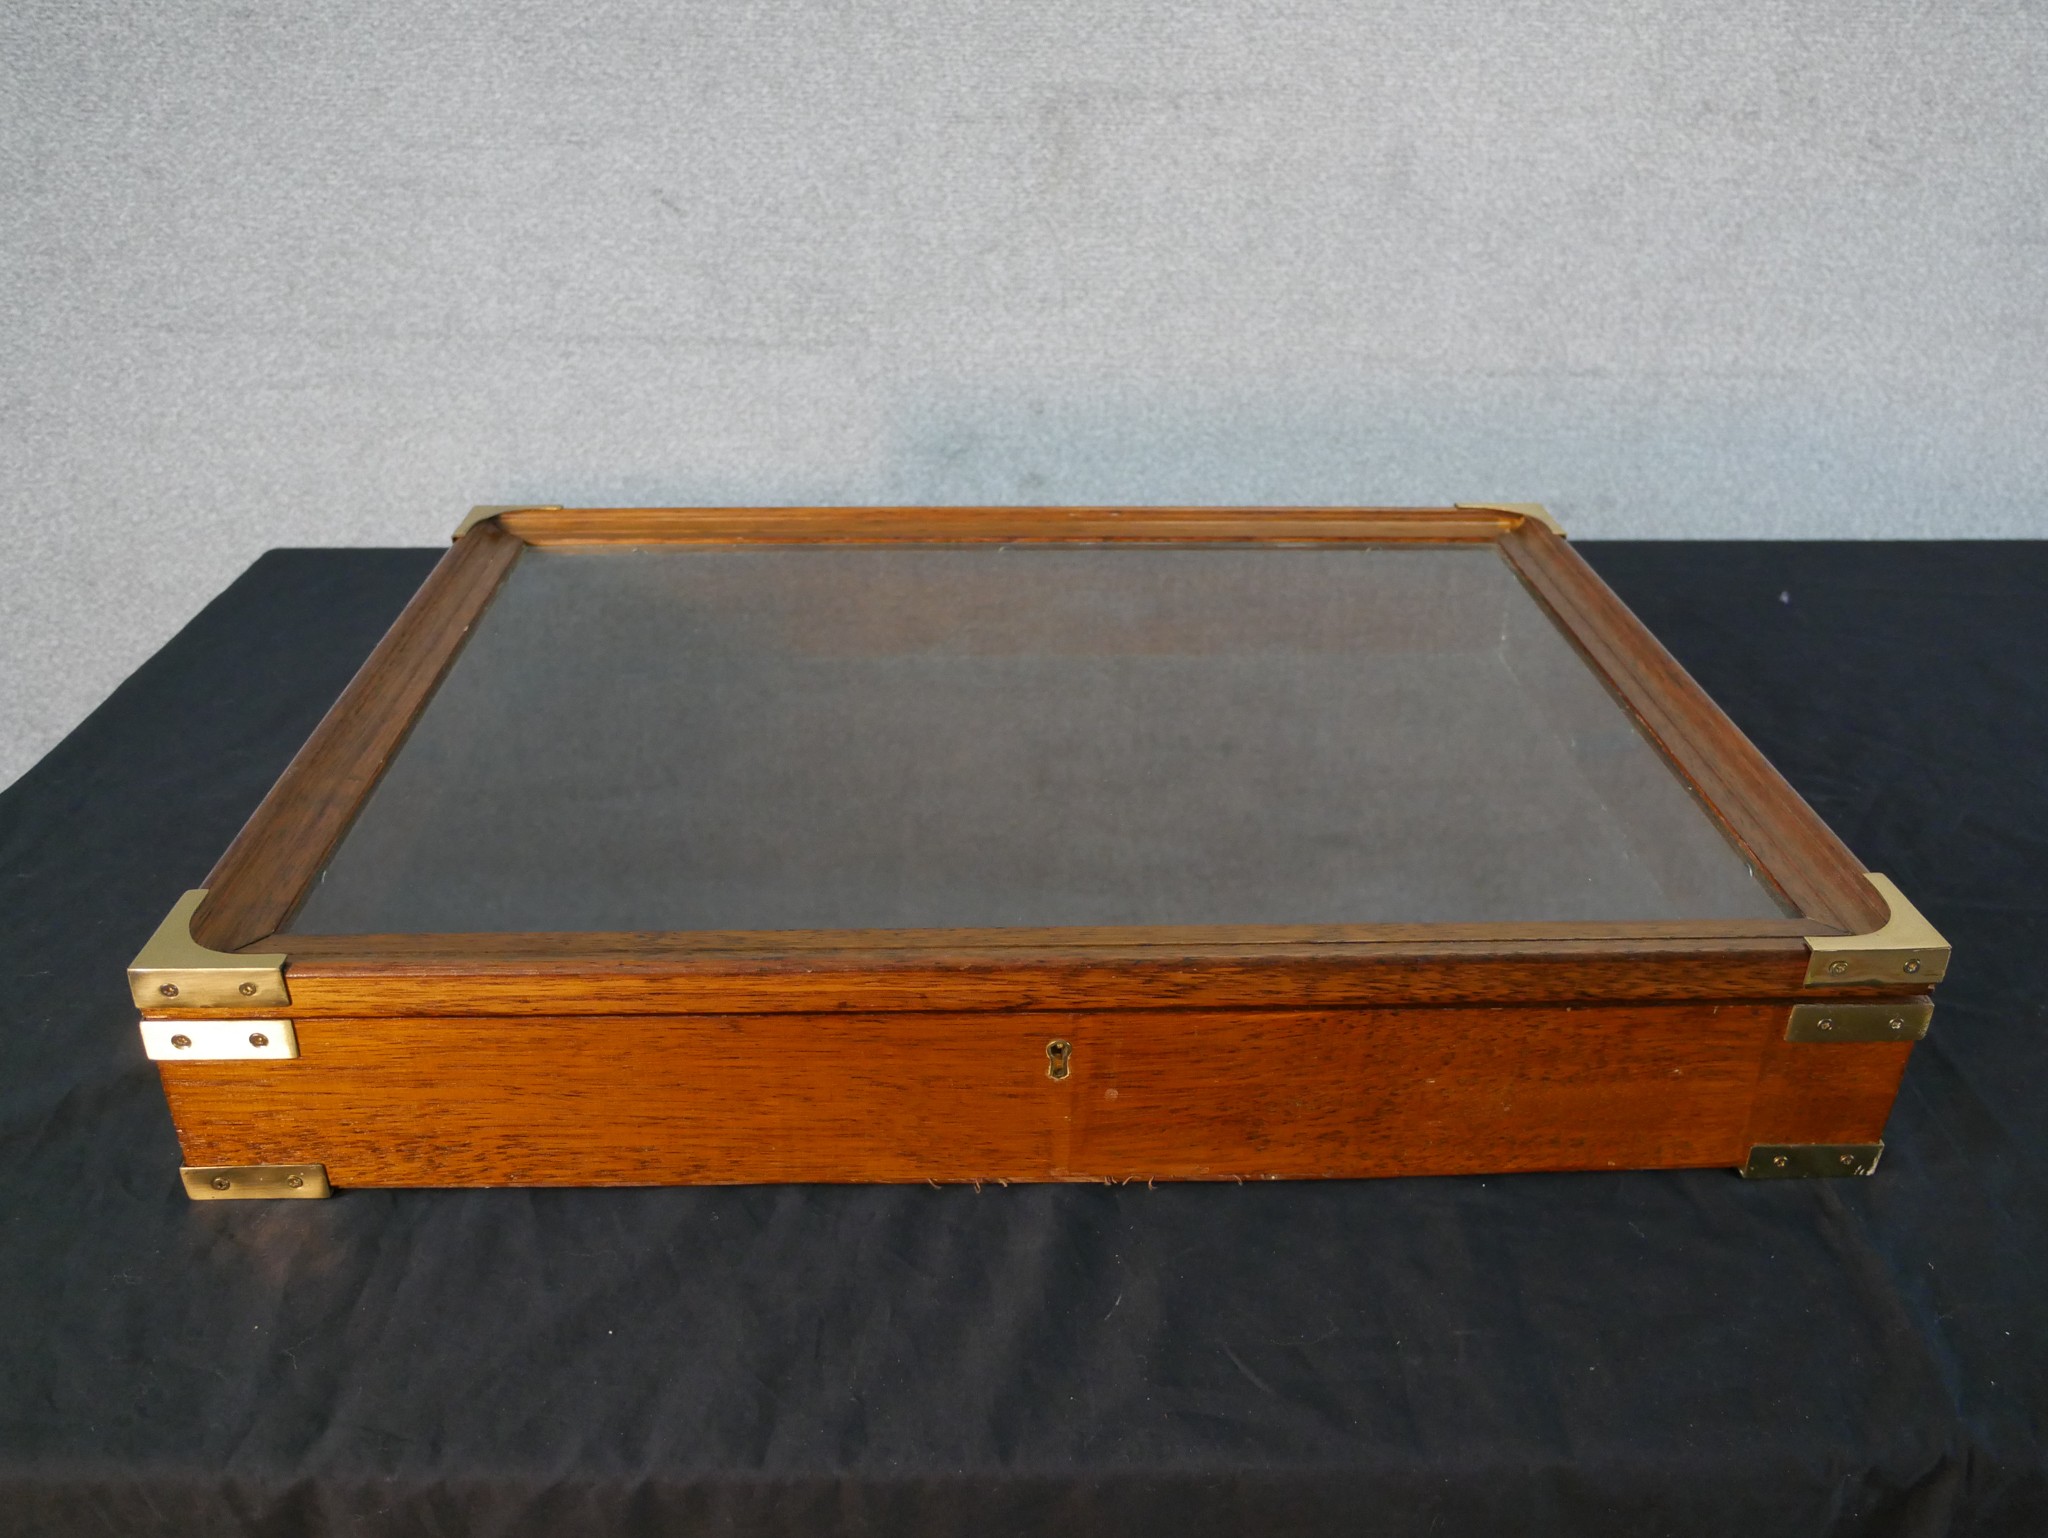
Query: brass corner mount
[
  {"x": 1854, "y": 1021},
  {"x": 484, "y": 514},
  {"x": 1905, "y": 949},
  {"x": 255, "y": 1182},
  {"x": 1810, "y": 1161},
  {"x": 174, "y": 971}
]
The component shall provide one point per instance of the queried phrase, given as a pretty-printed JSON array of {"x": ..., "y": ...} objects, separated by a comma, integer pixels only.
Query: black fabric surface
[{"x": 1584, "y": 1354}]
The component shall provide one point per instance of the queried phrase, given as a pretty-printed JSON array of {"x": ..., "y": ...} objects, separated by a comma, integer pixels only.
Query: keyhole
[{"x": 1058, "y": 1059}]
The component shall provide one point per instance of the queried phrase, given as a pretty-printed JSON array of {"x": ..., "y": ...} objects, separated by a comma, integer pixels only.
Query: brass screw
[
  {"x": 169, "y": 990},
  {"x": 1780, "y": 1160},
  {"x": 1827, "y": 1025},
  {"x": 258, "y": 1039},
  {"x": 1848, "y": 1158},
  {"x": 181, "y": 1042},
  {"x": 1897, "y": 1024},
  {"x": 1838, "y": 967},
  {"x": 221, "y": 1182},
  {"x": 295, "y": 1180},
  {"x": 247, "y": 990},
  {"x": 1913, "y": 965}
]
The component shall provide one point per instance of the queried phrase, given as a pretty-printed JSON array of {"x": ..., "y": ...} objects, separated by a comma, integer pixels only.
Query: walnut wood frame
[{"x": 1652, "y": 996}]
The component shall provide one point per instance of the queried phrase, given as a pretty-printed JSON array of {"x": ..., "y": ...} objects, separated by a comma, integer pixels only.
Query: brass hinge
[
  {"x": 255, "y": 1182},
  {"x": 1796, "y": 1161},
  {"x": 218, "y": 1041},
  {"x": 477, "y": 515},
  {"x": 1906, "y": 949},
  {"x": 1534, "y": 510},
  {"x": 1861, "y": 1020},
  {"x": 174, "y": 971}
]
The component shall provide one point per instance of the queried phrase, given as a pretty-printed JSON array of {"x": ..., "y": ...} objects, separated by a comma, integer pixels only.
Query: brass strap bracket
[
  {"x": 219, "y": 1041},
  {"x": 1861, "y": 1020},
  {"x": 477, "y": 515},
  {"x": 174, "y": 971},
  {"x": 1535, "y": 510},
  {"x": 1806, "y": 1161},
  {"x": 255, "y": 1182},
  {"x": 1907, "y": 949}
]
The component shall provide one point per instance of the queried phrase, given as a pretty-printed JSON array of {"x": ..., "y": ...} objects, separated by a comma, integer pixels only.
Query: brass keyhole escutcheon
[{"x": 1059, "y": 1059}]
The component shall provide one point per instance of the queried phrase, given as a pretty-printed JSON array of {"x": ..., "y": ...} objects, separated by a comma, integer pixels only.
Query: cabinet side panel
[
  {"x": 1823, "y": 1092},
  {"x": 1420, "y": 1092},
  {"x": 905, "y": 1097}
]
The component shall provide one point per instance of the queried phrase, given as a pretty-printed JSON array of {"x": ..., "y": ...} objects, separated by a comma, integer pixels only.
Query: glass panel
[{"x": 855, "y": 737}]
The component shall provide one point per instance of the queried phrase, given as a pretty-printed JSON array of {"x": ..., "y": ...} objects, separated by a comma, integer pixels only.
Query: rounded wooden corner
[
  {"x": 1528, "y": 512},
  {"x": 490, "y": 513}
]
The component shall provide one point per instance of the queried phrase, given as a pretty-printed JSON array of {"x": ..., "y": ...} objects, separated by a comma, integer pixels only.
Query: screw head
[
  {"x": 1838, "y": 967},
  {"x": 1826, "y": 1024},
  {"x": 1848, "y": 1158},
  {"x": 181, "y": 1042},
  {"x": 169, "y": 990},
  {"x": 1896, "y": 1023},
  {"x": 247, "y": 990},
  {"x": 1913, "y": 965},
  {"x": 258, "y": 1039},
  {"x": 295, "y": 1180},
  {"x": 1780, "y": 1160},
  {"x": 221, "y": 1182}
]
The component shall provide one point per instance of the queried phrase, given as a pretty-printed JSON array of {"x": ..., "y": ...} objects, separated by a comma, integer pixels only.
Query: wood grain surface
[
  {"x": 1163, "y": 1094},
  {"x": 1811, "y": 1092},
  {"x": 564, "y": 975}
]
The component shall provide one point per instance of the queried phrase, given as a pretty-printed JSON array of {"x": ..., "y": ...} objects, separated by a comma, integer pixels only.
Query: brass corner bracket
[
  {"x": 174, "y": 971},
  {"x": 1906, "y": 949},
  {"x": 1861, "y": 1020},
  {"x": 255, "y": 1182},
  {"x": 1535, "y": 510},
  {"x": 477, "y": 515},
  {"x": 219, "y": 1041},
  {"x": 1808, "y": 1161}
]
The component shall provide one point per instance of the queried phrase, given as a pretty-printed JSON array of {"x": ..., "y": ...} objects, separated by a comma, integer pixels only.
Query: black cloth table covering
[{"x": 1574, "y": 1354}]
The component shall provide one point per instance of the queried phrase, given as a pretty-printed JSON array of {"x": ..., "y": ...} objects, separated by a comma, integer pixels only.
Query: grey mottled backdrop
[{"x": 326, "y": 274}]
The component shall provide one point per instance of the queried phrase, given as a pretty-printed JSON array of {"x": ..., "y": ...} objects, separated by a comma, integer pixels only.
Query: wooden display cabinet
[{"x": 988, "y": 844}]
